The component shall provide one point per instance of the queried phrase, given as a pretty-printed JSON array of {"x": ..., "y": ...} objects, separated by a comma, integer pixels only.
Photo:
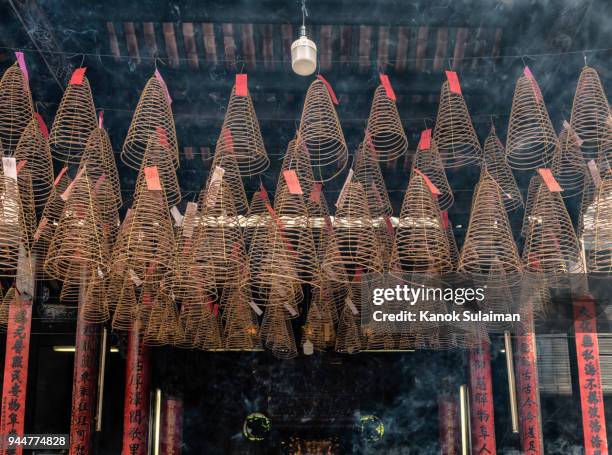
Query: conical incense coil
[
  {"x": 321, "y": 133},
  {"x": 95, "y": 305},
  {"x": 33, "y": 148},
  {"x": 421, "y": 243},
  {"x": 454, "y": 133},
  {"x": 219, "y": 246},
  {"x": 599, "y": 233},
  {"x": 551, "y": 245},
  {"x": 452, "y": 242},
  {"x": 385, "y": 128},
  {"x": 241, "y": 331},
  {"x": 429, "y": 162},
  {"x": 348, "y": 335},
  {"x": 209, "y": 336},
  {"x": 568, "y": 165},
  {"x": 585, "y": 217},
  {"x": 532, "y": 190},
  {"x": 13, "y": 231},
  {"x": 99, "y": 158},
  {"x": 232, "y": 179},
  {"x": 74, "y": 121},
  {"x": 121, "y": 296},
  {"x": 496, "y": 166},
  {"x": 153, "y": 115},
  {"x": 16, "y": 107},
  {"x": 157, "y": 154},
  {"x": 318, "y": 210},
  {"x": 489, "y": 245},
  {"x": 297, "y": 158},
  {"x": 319, "y": 328},
  {"x": 367, "y": 172},
  {"x": 277, "y": 333},
  {"x": 161, "y": 321},
  {"x": 356, "y": 247},
  {"x": 79, "y": 236},
  {"x": 260, "y": 216},
  {"x": 531, "y": 136},
  {"x": 145, "y": 245},
  {"x": 240, "y": 135},
  {"x": 590, "y": 112}
]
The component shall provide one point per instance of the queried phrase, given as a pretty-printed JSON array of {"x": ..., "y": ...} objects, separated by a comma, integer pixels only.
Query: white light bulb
[{"x": 303, "y": 55}]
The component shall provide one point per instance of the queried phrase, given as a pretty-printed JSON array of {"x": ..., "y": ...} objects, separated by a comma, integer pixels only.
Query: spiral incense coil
[
  {"x": 585, "y": 218},
  {"x": 421, "y": 243},
  {"x": 28, "y": 207},
  {"x": 241, "y": 136},
  {"x": 33, "y": 148},
  {"x": 233, "y": 180},
  {"x": 79, "y": 236},
  {"x": 532, "y": 190},
  {"x": 452, "y": 245},
  {"x": 277, "y": 333},
  {"x": 496, "y": 166},
  {"x": 599, "y": 233},
  {"x": 145, "y": 245},
  {"x": 157, "y": 154},
  {"x": 241, "y": 331},
  {"x": 162, "y": 321},
  {"x": 590, "y": 112},
  {"x": 489, "y": 244},
  {"x": 260, "y": 216},
  {"x": 321, "y": 133},
  {"x": 74, "y": 121},
  {"x": 121, "y": 297},
  {"x": 454, "y": 133},
  {"x": 297, "y": 158},
  {"x": 95, "y": 305},
  {"x": 367, "y": 172},
  {"x": 348, "y": 335},
  {"x": 16, "y": 107},
  {"x": 385, "y": 128},
  {"x": 319, "y": 210},
  {"x": 153, "y": 115},
  {"x": 99, "y": 158},
  {"x": 209, "y": 332},
  {"x": 219, "y": 247},
  {"x": 551, "y": 245},
  {"x": 355, "y": 246},
  {"x": 430, "y": 163},
  {"x": 568, "y": 165},
  {"x": 13, "y": 230},
  {"x": 531, "y": 136},
  {"x": 319, "y": 328}
]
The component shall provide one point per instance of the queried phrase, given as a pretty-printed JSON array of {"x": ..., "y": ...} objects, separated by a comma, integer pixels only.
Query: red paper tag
[
  {"x": 549, "y": 180},
  {"x": 358, "y": 273},
  {"x": 293, "y": 182},
  {"x": 434, "y": 190},
  {"x": 100, "y": 119},
  {"x": 370, "y": 145},
  {"x": 444, "y": 215},
  {"x": 99, "y": 183},
  {"x": 481, "y": 400},
  {"x": 152, "y": 177},
  {"x": 315, "y": 194},
  {"x": 228, "y": 139},
  {"x": 330, "y": 90},
  {"x": 453, "y": 82},
  {"x": 42, "y": 125},
  {"x": 425, "y": 141},
  {"x": 389, "y": 225},
  {"x": 41, "y": 226},
  {"x": 161, "y": 80},
  {"x": 263, "y": 194},
  {"x": 77, "y": 76},
  {"x": 241, "y": 85},
  {"x": 162, "y": 136},
  {"x": 22, "y": 66},
  {"x": 59, "y": 176},
  {"x": 384, "y": 80},
  {"x": 20, "y": 165}
]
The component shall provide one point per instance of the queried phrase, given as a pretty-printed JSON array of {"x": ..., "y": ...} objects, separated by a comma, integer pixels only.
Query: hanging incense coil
[
  {"x": 532, "y": 190},
  {"x": 158, "y": 155},
  {"x": 454, "y": 133},
  {"x": 385, "y": 129},
  {"x": 94, "y": 304},
  {"x": 496, "y": 166},
  {"x": 33, "y": 148},
  {"x": 321, "y": 133},
  {"x": 452, "y": 242},
  {"x": 233, "y": 180},
  {"x": 121, "y": 298},
  {"x": 258, "y": 216},
  {"x": 74, "y": 121},
  {"x": 568, "y": 165},
  {"x": 277, "y": 333},
  {"x": 297, "y": 158},
  {"x": 421, "y": 243},
  {"x": 598, "y": 234},
  {"x": 489, "y": 244},
  {"x": 79, "y": 237},
  {"x": 349, "y": 336},
  {"x": 13, "y": 230},
  {"x": 551, "y": 245},
  {"x": 585, "y": 217},
  {"x": 590, "y": 113},
  {"x": 16, "y": 107},
  {"x": 241, "y": 136},
  {"x": 241, "y": 331},
  {"x": 355, "y": 247},
  {"x": 209, "y": 331},
  {"x": 162, "y": 321},
  {"x": 531, "y": 136},
  {"x": 430, "y": 163},
  {"x": 319, "y": 327},
  {"x": 153, "y": 115},
  {"x": 368, "y": 173}
]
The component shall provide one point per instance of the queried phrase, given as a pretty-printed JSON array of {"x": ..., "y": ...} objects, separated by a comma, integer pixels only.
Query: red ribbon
[{"x": 330, "y": 90}]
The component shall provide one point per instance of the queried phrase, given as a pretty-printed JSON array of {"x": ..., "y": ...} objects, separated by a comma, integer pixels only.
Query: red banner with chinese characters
[
  {"x": 136, "y": 408},
  {"x": 84, "y": 386},
  {"x": 448, "y": 423},
  {"x": 589, "y": 376},
  {"x": 528, "y": 392},
  {"x": 172, "y": 426},
  {"x": 16, "y": 371},
  {"x": 481, "y": 401}
]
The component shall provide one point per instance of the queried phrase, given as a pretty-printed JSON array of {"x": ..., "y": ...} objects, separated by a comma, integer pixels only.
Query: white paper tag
[
  {"x": 176, "y": 214},
  {"x": 214, "y": 186},
  {"x": 343, "y": 190},
  {"x": 291, "y": 310},
  {"x": 256, "y": 308},
  {"x": 189, "y": 220},
  {"x": 137, "y": 281},
  {"x": 9, "y": 167},
  {"x": 351, "y": 306},
  {"x": 308, "y": 347},
  {"x": 594, "y": 170},
  {"x": 569, "y": 128},
  {"x": 100, "y": 273}
]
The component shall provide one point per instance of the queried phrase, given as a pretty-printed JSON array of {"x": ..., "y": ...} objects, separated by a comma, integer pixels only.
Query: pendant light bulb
[{"x": 303, "y": 51}]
